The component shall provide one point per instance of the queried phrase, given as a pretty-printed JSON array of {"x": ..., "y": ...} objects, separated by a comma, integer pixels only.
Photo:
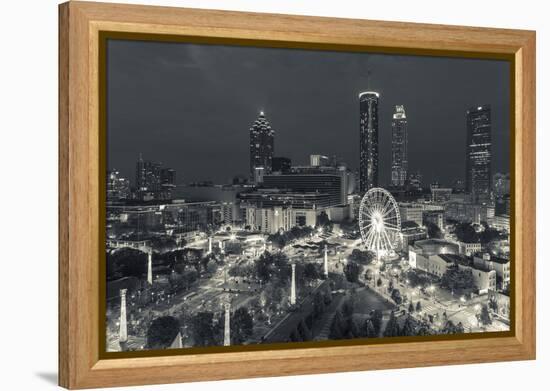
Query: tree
[
  {"x": 466, "y": 233},
  {"x": 434, "y": 231},
  {"x": 352, "y": 271},
  {"x": 362, "y": 257},
  {"x": 376, "y": 320},
  {"x": 323, "y": 220},
  {"x": 484, "y": 316},
  {"x": 241, "y": 325},
  {"x": 304, "y": 331},
  {"x": 336, "y": 331},
  {"x": 294, "y": 336},
  {"x": 417, "y": 279},
  {"x": 162, "y": 332},
  {"x": 263, "y": 267},
  {"x": 354, "y": 331},
  {"x": 347, "y": 308},
  {"x": 126, "y": 262},
  {"x": 411, "y": 307},
  {"x": 379, "y": 282},
  {"x": 311, "y": 271},
  {"x": 396, "y": 296},
  {"x": 408, "y": 327},
  {"x": 451, "y": 328},
  {"x": 457, "y": 279},
  {"x": 370, "y": 331},
  {"x": 318, "y": 305},
  {"x": 392, "y": 327},
  {"x": 418, "y": 306},
  {"x": 203, "y": 329}
]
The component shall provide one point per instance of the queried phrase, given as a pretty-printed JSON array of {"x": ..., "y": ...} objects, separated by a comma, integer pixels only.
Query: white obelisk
[
  {"x": 123, "y": 330},
  {"x": 209, "y": 245},
  {"x": 150, "y": 267},
  {"x": 227, "y": 325},
  {"x": 326, "y": 261},
  {"x": 293, "y": 286}
]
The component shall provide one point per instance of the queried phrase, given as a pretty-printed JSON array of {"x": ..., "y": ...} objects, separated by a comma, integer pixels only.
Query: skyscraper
[
  {"x": 261, "y": 147},
  {"x": 368, "y": 140},
  {"x": 399, "y": 140},
  {"x": 147, "y": 175},
  {"x": 478, "y": 153}
]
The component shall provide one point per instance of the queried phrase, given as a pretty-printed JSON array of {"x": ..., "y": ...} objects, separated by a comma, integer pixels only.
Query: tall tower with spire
[
  {"x": 262, "y": 138},
  {"x": 368, "y": 139},
  {"x": 399, "y": 145}
]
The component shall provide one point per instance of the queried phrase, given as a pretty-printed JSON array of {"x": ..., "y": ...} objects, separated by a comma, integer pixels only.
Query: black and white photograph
[{"x": 267, "y": 195}]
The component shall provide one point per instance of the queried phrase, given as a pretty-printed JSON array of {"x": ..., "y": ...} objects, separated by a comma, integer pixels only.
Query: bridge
[{"x": 141, "y": 245}]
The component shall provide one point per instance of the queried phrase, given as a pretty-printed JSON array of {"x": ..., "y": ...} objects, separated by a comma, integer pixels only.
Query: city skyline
[
  {"x": 329, "y": 230},
  {"x": 425, "y": 132}
]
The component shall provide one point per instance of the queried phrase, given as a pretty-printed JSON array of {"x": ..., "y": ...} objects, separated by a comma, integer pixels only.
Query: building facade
[
  {"x": 118, "y": 188},
  {"x": 422, "y": 249},
  {"x": 399, "y": 144},
  {"x": 331, "y": 181},
  {"x": 469, "y": 249},
  {"x": 368, "y": 140},
  {"x": 269, "y": 220},
  {"x": 411, "y": 212},
  {"x": 262, "y": 138},
  {"x": 319, "y": 160},
  {"x": 478, "y": 153},
  {"x": 501, "y": 266}
]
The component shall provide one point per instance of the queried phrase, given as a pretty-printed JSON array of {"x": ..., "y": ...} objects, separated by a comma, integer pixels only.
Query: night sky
[{"x": 191, "y": 107}]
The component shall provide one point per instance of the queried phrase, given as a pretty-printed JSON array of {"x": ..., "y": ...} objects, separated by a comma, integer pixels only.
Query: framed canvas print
[{"x": 247, "y": 195}]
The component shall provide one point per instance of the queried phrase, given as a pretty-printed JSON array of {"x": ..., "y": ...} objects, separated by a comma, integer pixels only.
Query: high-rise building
[
  {"x": 117, "y": 187},
  {"x": 415, "y": 180},
  {"x": 501, "y": 184},
  {"x": 281, "y": 164},
  {"x": 148, "y": 176},
  {"x": 325, "y": 183},
  {"x": 399, "y": 161},
  {"x": 167, "y": 178},
  {"x": 261, "y": 146},
  {"x": 368, "y": 140},
  {"x": 319, "y": 160},
  {"x": 478, "y": 153}
]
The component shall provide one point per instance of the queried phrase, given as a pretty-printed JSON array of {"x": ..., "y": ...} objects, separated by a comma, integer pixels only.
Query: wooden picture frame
[{"x": 81, "y": 364}]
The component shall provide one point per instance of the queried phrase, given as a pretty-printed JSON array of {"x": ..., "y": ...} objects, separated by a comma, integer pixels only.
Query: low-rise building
[
  {"x": 410, "y": 233},
  {"x": 436, "y": 217},
  {"x": 441, "y": 194},
  {"x": 434, "y": 264},
  {"x": 500, "y": 265},
  {"x": 469, "y": 249},
  {"x": 484, "y": 278},
  {"x": 499, "y": 304},
  {"x": 270, "y": 220},
  {"x": 501, "y": 222},
  {"x": 426, "y": 248},
  {"x": 411, "y": 212}
]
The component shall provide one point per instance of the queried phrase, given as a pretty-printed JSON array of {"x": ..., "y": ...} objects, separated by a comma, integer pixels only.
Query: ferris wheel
[{"x": 379, "y": 221}]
